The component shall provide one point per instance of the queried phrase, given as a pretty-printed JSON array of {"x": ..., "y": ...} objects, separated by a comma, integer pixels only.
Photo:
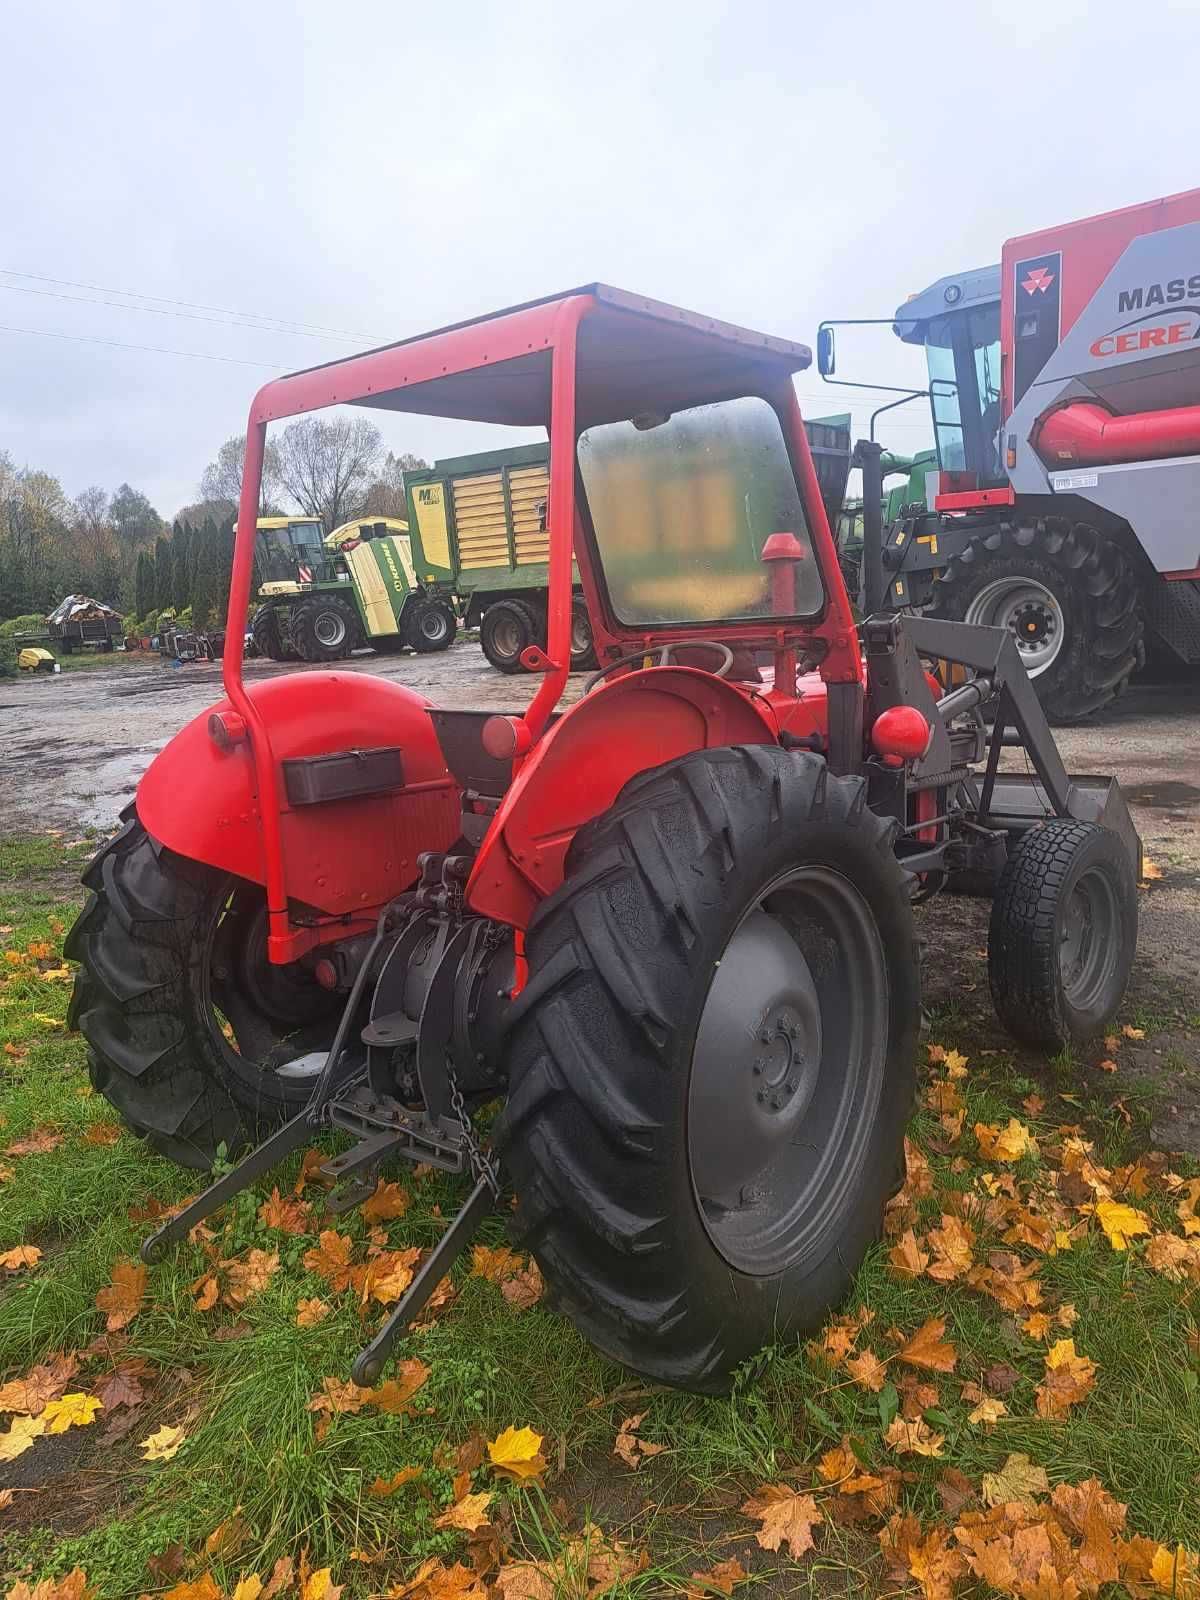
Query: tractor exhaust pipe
[{"x": 868, "y": 457}]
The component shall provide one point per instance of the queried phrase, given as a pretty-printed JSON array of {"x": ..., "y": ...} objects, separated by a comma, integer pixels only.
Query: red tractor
[{"x": 671, "y": 928}]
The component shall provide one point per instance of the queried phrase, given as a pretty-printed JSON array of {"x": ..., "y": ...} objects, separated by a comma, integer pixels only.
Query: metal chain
[{"x": 482, "y": 1165}]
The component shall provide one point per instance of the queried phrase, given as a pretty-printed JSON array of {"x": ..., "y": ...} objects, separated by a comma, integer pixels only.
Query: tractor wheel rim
[
  {"x": 787, "y": 1069},
  {"x": 330, "y": 629},
  {"x": 433, "y": 625},
  {"x": 1088, "y": 940},
  {"x": 1030, "y": 611},
  {"x": 581, "y": 635},
  {"x": 506, "y": 638}
]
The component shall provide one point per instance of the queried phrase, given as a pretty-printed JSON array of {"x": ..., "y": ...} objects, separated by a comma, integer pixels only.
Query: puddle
[
  {"x": 1171, "y": 792},
  {"x": 110, "y": 785}
]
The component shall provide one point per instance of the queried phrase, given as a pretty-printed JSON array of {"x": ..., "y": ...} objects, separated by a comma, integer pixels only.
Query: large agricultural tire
[
  {"x": 508, "y": 628},
  {"x": 191, "y": 1036},
  {"x": 1063, "y": 933},
  {"x": 1069, "y": 598},
  {"x": 430, "y": 625},
  {"x": 268, "y": 640},
  {"x": 325, "y": 628},
  {"x": 583, "y": 644},
  {"x": 713, "y": 1061}
]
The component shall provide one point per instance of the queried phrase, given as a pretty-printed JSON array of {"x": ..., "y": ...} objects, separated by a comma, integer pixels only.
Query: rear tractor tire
[
  {"x": 192, "y": 1036},
  {"x": 325, "y": 628},
  {"x": 1063, "y": 933},
  {"x": 583, "y": 644},
  {"x": 713, "y": 1065},
  {"x": 430, "y": 625},
  {"x": 508, "y": 628},
  {"x": 1069, "y": 599}
]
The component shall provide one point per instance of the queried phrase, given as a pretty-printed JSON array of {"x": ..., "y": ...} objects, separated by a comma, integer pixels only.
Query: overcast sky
[{"x": 386, "y": 168}]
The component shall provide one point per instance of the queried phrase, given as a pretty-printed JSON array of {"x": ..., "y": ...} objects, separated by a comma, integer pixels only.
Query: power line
[
  {"x": 155, "y": 311},
  {"x": 191, "y": 305},
  {"x": 117, "y": 344}
]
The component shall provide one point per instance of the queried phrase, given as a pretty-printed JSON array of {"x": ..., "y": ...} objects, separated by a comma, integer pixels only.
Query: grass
[{"x": 239, "y": 1382}]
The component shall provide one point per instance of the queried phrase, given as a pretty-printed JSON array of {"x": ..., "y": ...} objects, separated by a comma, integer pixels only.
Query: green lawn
[{"x": 262, "y": 1476}]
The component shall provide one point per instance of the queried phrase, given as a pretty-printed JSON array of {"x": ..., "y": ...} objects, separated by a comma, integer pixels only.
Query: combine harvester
[
  {"x": 1065, "y": 392},
  {"x": 670, "y": 928}
]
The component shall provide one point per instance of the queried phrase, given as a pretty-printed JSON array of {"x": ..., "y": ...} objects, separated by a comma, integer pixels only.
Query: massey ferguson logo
[{"x": 1038, "y": 280}]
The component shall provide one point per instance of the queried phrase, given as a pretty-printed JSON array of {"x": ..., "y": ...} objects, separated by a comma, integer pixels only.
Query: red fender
[
  {"x": 578, "y": 768},
  {"x": 341, "y": 856}
]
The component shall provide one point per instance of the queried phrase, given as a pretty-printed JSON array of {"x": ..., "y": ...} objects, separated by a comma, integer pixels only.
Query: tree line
[{"x": 118, "y": 549}]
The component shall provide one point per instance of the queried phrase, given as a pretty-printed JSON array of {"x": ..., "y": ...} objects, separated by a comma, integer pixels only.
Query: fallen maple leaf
[
  {"x": 913, "y": 1437},
  {"x": 906, "y": 1258},
  {"x": 72, "y": 1411},
  {"x": 41, "y": 1384},
  {"x": 988, "y": 1411},
  {"x": 1069, "y": 1378},
  {"x": 468, "y": 1513},
  {"x": 122, "y": 1299},
  {"x": 249, "y": 1275},
  {"x": 929, "y": 1558},
  {"x": 20, "y": 1437},
  {"x": 517, "y": 1451},
  {"x": 330, "y": 1259},
  {"x": 20, "y": 1257},
  {"x": 102, "y": 1133},
  {"x": 311, "y": 1163},
  {"x": 393, "y": 1396},
  {"x": 868, "y": 1371},
  {"x": 524, "y": 1288},
  {"x": 227, "y": 1537},
  {"x": 285, "y": 1216},
  {"x": 1133, "y": 1033},
  {"x": 495, "y": 1264},
  {"x": 951, "y": 1244},
  {"x": 926, "y": 1349},
  {"x": 1176, "y": 1258},
  {"x": 1121, "y": 1222},
  {"x": 39, "y": 1142},
  {"x": 1018, "y": 1480},
  {"x": 310, "y": 1312},
  {"x": 207, "y": 1290},
  {"x": 1005, "y": 1144},
  {"x": 1176, "y": 1572},
  {"x": 387, "y": 1276},
  {"x": 631, "y": 1449},
  {"x": 320, "y": 1586},
  {"x": 337, "y": 1397},
  {"x": 249, "y": 1587},
  {"x": 955, "y": 1064},
  {"x": 384, "y": 1488},
  {"x": 121, "y": 1386},
  {"x": 720, "y": 1579},
  {"x": 787, "y": 1517},
  {"x": 162, "y": 1444},
  {"x": 389, "y": 1201},
  {"x": 1107, "y": 1065}
]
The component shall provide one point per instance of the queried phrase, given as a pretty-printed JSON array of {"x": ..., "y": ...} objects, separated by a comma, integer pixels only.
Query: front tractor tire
[
  {"x": 430, "y": 625},
  {"x": 713, "y": 1062},
  {"x": 192, "y": 1036},
  {"x": 508, "y": 628},
  {"x": 1069, "y": 599},
  {"x": 325, "y": 628},
  {"x": 268, "y": 639},
  {"x": 1063, "y": 933}
]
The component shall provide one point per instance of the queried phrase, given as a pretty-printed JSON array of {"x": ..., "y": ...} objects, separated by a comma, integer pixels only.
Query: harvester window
[
  {"x": 682, "y": 506},
  {"x": 963, "y": 351}
]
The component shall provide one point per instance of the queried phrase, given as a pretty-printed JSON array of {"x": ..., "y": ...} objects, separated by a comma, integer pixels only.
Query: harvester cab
[
  {"x": 670, "y": 928},
  {"x": 1064, "y": 388}
]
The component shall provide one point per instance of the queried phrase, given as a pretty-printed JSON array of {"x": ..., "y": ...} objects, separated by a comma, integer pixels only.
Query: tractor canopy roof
[
  {"x": 957, "y": 292},
  {"x": 633, "y": 355}
]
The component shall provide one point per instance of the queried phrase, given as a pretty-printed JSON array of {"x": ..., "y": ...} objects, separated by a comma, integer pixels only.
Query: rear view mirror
[{"x": 826, "y": 356}]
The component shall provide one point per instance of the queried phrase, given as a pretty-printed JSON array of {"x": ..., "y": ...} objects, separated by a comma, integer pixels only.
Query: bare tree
[
  {"x": 222, "y": 478},
  {"x": 326, "y": 465},
  {"x": 385, "y": 496}
]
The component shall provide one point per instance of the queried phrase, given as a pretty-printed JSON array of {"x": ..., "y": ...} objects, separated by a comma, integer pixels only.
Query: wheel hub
[
  {"x": 1030, "y": 611},
  {"x": 329, "y": 629}
]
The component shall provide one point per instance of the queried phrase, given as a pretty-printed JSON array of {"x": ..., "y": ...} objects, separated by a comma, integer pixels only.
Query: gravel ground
[{"x": 72, "y": 748}]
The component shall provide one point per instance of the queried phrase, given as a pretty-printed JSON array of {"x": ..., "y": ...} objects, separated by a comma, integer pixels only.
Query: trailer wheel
[
  {"x": 192, "y": 1035},
  {"x": 325, "y": 628},
  {"x": 1068, "y": 597},
  {"x": 430, "y": 625},
  {"x": 1063, "y": 933},
  {"x": 713, "y": 1065},
  {"x": 583, "y": 644},
  {"x": 507, "y": 629},
  {"x": 268, "y": 641}
]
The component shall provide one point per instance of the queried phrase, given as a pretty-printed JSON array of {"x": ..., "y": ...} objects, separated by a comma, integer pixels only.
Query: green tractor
[{"x": 322, "y": 596}]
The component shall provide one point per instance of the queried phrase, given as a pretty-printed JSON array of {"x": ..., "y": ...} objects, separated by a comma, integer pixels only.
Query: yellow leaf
[
  {"x": 988, "y": 1411},
  {"x": 22, "y": 1255},
  {"x": 310, "y": 1312},
  {"x": 914, "y": 1438},
  {"x": 955, "y": 1064},
  {"x": 1151, "y": 871},
  {"x": 495, "y": 1265},
  {"x": 393, "y": 1396},
  {"x": 868, "y": 1371},
  {"x": 201, "y": 1588},
  {"x": 1069, "y": 1378},
  {"x": 331, "y": 1259},
  {"x": 951, "y": 1245},
  {"x": 1018, "y": 1480},
  {"x": 162, "y": 1444},
  {"x": 389, "y": 1200},
  {"x": 320, "y": 1586},
  {"x": 467, "y": 1514},
  {"x": 1120, "y": 1222},
  {"x": 1176, "y": 1572},
  {"x": 73, "y": 1410},
  {"x": 1005, "y": 1144},
  {"x": 926, "y": 1349},
  {"x": 20, "y": 1436},
  {"x": 787, "y": 1518},
  {"x": 518, "y": 1451},
  {"x": 249, "y": 1587},
  {"x": 1133, "y": 1033},
  {"x": 906, "y": 1258}
]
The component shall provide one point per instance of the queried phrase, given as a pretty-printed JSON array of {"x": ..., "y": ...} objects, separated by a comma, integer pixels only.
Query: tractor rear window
[{"x": 682, "y": 506}]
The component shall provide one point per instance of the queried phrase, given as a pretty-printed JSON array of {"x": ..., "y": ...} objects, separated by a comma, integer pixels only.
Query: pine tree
[
  {"x": 225, "y": 541},
  {"x": 182, "y": 566},
  {"x": 143, "y": 585},
  {"x": 162, "y": 572},
  {"x": 204, "y": 580}
]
